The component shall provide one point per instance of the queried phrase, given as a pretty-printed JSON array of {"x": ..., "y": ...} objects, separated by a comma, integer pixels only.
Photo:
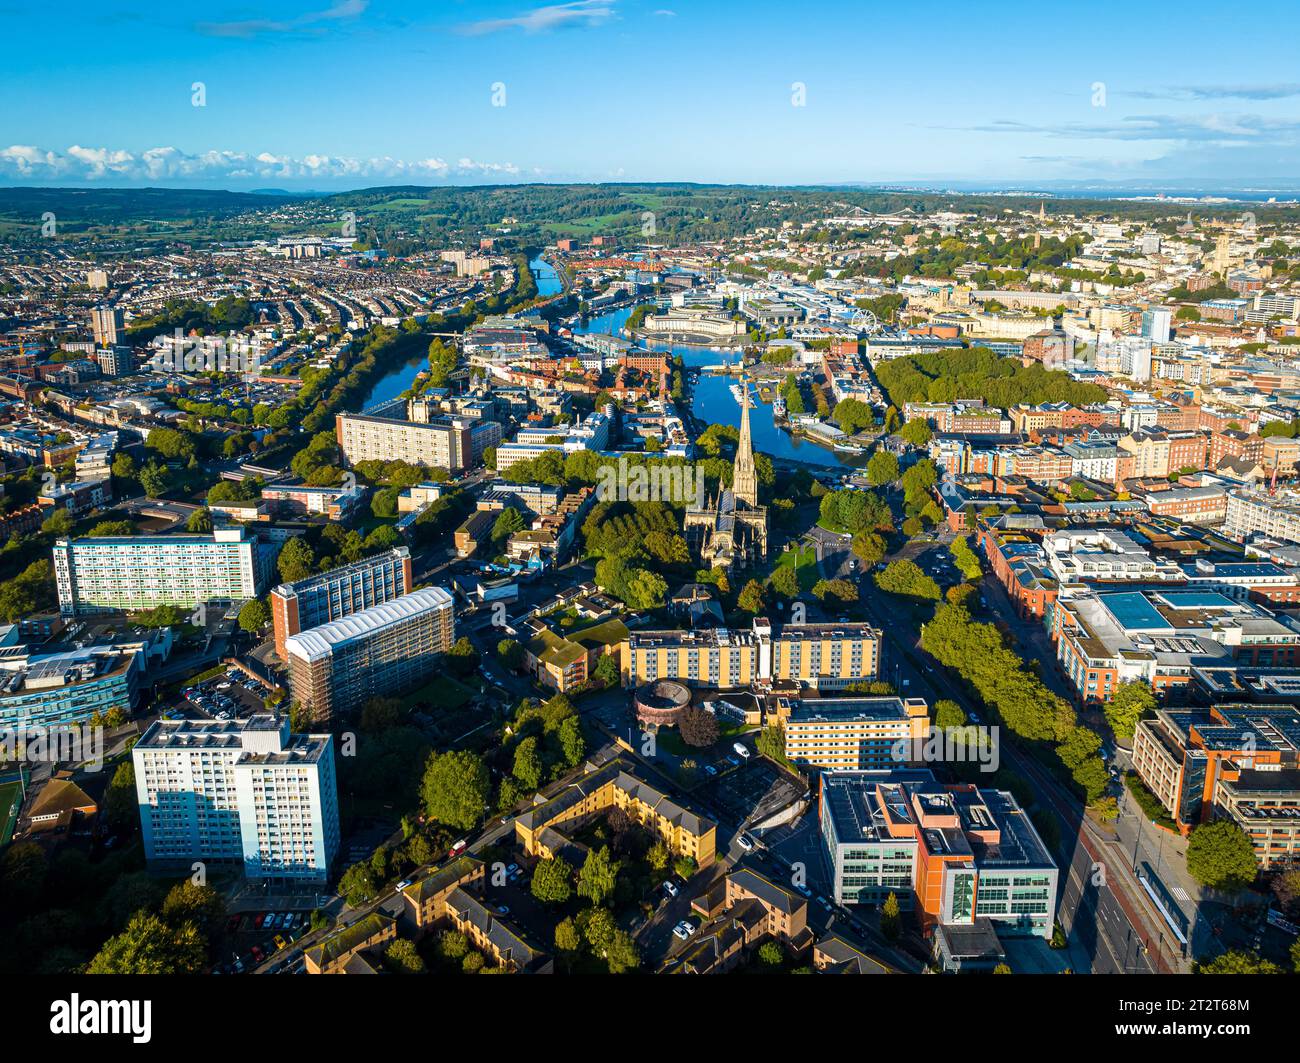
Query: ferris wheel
[{"x": 865, "y": 321}]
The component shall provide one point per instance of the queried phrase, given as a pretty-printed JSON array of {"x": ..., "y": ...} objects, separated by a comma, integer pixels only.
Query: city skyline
[{"x": 309, "y": 95}]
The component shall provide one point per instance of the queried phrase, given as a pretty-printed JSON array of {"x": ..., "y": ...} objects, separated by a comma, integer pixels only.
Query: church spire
[{"x": 744, "y": 479}]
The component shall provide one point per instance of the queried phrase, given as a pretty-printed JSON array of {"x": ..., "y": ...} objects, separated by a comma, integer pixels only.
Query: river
[
  {"x": 713, "y": 403},
  {"x": 401, "y": 378},
  {"x": 711, "y": 399}
]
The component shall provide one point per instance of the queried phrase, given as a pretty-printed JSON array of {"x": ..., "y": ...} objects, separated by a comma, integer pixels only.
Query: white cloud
[
  {"x": 27, "y": 163},
  {"x": 307, "y": 23},
  {"x": 551, "y": 17}
]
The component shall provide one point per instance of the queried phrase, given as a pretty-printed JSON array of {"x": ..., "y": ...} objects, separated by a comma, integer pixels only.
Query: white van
[{"x": 741, "y": 749}]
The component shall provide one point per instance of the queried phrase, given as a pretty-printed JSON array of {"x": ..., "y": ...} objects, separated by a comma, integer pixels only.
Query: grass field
[
  {"x": 443, "y": 693},
  {"x": 804, "y": 561},
  {"x": 9, "y": 801}
]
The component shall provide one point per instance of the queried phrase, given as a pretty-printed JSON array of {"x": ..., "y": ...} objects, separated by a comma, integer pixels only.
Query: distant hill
[{"x": 98, "y": 206}]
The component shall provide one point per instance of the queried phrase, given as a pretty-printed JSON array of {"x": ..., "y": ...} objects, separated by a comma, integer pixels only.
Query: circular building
[{"x": 659, "y": 704}]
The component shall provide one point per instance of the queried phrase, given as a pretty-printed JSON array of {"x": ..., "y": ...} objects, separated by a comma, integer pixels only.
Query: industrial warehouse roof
[{"x": 318, "y": 642}]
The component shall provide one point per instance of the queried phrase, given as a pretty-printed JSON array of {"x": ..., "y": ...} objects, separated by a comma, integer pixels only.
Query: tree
[
  {"x": 891, "y": 924},
  {"x": 882, "y": 468},
  {"x": 1129, "y": 703},
  {"x": 840, "y": 589},
  {"x": 462, "y": 658},
  {"x": 853, "y": 415},
  {"x": 658, "y": 856},
  {"x": 785, "y": 581},
  {"x": 1220, "y": 856},
  {"x": 770, "y": 954},
  {"x": 456, "y": 788},
  {"x": 621, "y": 953},
  {"x": 511, "y": 654},
  {"x": 904, "y": 577},
  {"x": 948, "y": 714},
  {"x": 698, "y": 728},
  {"x": 916, "y": 431},
  {"x": 552, "y": 881},
  {"x": 357, "y": 885},
  {"x": 869, "y": 547},
  {"x": 121, "y": 809},
  {"x": 453, "y": 945},
  {"x": 151, "y": 945},
  {"x": 254, "y": 616},
  {"x": 1237, "y": 962},
  {"x": 200, "y": 521},
  {"x": 567, "y": 939},
  {"x": 506, "y": 525},
  {"x": 572, "y": 744},
  {"x": 598, "y": 928},
  {"x": 401, "y": 958},
  {"x": 528, "y": 764},
  {"x": 599, "y": 875},
  {"x": 751, "y": 597},
  {"x": 190, "y": 902},
  {"x": 296, "y": 561}
]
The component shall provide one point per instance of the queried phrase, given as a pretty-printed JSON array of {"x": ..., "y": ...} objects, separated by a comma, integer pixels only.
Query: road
[{"x": 1124, "y": 914}]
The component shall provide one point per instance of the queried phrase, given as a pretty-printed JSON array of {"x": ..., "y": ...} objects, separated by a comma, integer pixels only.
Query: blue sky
[{"x": 326, "y": 94}]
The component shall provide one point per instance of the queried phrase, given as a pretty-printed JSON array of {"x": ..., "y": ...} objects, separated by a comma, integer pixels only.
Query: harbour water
[
  {"x": 713, "y": 403},
  {"x": 711, "y": 398}
]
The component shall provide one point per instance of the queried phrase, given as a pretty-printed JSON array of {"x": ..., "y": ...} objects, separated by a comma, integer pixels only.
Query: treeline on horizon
[{"x": 404, "y": 217}]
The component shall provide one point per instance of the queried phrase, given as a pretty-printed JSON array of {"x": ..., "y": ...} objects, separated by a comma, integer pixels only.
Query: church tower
[{"x": 744, "y": 479}]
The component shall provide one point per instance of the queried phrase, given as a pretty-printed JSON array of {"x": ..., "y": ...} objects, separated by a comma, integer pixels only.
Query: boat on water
[
  {"x": 736, "y": 393},
  {"x": 778, "y": 405},
  {"x": 848, "y": 448}
]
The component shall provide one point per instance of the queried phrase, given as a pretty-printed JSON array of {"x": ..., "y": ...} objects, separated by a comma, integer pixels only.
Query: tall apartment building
[
  {"x": 131, "y": 573},
  {"x": 960, "y": 855},
  {"x": 107, "y": 325},
  {"x": 451, "y": 443},
  {"x": 115, "y": 361},
  {"x": 825, "y": 656},
  {"x": 337, "y": 667},
  {"x": 245, "y": 792},
  {"x": 339, "y": 592},
  {"x": 853, "y": 733}
]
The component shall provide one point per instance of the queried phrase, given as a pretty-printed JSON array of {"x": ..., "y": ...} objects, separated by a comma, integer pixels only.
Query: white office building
[{"x": 245, "y": 792}]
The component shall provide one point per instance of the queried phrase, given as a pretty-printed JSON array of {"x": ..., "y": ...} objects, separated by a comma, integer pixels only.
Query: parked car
[
  {"x": 741, "y": 750},
  {"x": 710, "y": 769},
  {"x": 744, "y": 843},
  {"x": 403, "y": 884},
  {"x": 671, "y": 889}
]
